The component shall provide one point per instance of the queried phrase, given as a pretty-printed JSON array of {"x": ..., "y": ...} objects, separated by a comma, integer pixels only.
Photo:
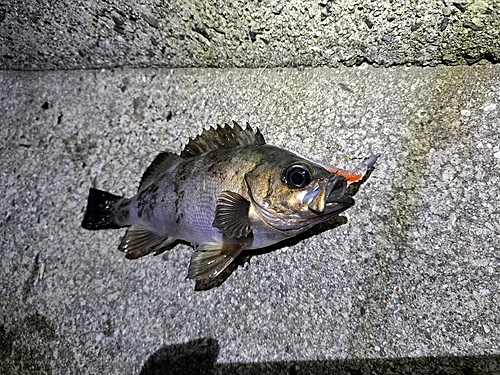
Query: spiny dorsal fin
[
  {"x": 161, "y": 163},
  {"x": 222, "y": 137}
]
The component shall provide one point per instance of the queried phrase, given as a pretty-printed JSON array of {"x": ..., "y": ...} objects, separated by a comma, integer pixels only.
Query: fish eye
[{"x": 296, "y": 176}]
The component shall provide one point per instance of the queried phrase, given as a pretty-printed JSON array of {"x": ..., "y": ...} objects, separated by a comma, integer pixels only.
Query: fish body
[{"x": 226, "y": 192}]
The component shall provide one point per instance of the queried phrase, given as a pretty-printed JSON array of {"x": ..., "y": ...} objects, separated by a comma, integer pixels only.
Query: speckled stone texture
[
  {"x": 69, "y": 34},
  {"x": 408, "y": 283}
]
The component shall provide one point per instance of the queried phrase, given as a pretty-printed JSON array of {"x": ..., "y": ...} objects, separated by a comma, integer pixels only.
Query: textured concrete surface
[
  {"x": 70, "y": 34},
  {"x": 408, "y": 283}
]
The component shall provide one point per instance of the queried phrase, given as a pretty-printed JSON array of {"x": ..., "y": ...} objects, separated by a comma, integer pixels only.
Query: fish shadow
[{"x": 329, "y": 224}]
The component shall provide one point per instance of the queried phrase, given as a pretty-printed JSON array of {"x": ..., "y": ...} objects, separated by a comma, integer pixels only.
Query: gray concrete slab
[
  {"x": 71, "y": 34},
  {"x": 409, "y": 282}
]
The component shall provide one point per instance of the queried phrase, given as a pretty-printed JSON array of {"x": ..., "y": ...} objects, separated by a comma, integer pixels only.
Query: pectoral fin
[
  {"x": 231, "y": 215},
  {"x": 210, "y": 260},
  {"x": 140, "y": 241}
]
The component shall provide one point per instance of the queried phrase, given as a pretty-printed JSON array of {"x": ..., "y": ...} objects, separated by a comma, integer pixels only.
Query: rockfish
[{"x": 226, "y": 192}]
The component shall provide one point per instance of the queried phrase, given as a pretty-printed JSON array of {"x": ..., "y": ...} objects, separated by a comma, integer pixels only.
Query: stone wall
[{"x": 70, "y": 34}]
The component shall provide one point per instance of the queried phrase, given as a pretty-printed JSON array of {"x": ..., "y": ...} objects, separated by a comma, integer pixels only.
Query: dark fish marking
[
  {"x": 217, "y": 175},
  {"x": 211, "y": 167},
  {"x": 122, "y": 216},
  {"x": 147, "y": 200},
  {"x": 179, "y": 218},
  {"x": 178, "y": 199},
  {"x": 180, "y": 176},
  {"x": 270, "y": 189},
  {"x": 122, "y": 211}
]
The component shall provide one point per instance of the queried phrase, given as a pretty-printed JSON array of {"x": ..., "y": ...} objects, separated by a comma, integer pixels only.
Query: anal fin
[
  {"x": 140, "y": 241},
  {"x": 210, "y": 259}
]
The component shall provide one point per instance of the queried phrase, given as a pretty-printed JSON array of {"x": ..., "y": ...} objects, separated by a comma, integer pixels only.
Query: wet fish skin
[{"x": 226, "y": 192}]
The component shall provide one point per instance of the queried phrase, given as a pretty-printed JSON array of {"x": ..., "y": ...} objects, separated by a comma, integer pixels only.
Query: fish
[{"x": 226, "y": 192}]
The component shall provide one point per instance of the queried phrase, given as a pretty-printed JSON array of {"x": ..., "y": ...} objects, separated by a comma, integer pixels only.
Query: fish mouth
[{"x": 331, "y": 199}]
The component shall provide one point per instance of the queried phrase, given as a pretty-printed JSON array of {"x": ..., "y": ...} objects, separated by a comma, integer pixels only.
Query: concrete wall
[{"x": 37, "y": 35}]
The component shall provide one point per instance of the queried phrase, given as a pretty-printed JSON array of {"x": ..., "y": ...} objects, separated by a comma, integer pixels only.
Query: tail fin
[{"x": 100, "y": 212}]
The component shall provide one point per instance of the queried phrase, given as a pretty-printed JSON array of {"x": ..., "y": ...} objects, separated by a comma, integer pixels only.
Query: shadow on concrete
[
  {"x": 200, "y": 357},
  {"x": 329, "y": 224},
  {"x": 194, "y": 357}
]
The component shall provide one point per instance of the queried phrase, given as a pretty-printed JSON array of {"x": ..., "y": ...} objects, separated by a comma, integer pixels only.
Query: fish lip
[
  {"x": 336, "y": 200},
  {"x": 329, "y": 196},
  {"x": 335, "y": 188},
  {"x": 339, "y": 205}
]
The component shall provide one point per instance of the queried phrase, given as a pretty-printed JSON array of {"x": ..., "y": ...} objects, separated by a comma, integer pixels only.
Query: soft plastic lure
[{"x": 353, "y": 175}]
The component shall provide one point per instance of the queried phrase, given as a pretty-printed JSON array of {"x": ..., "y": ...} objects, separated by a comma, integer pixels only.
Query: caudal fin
[{"x": 100, "y": 212}]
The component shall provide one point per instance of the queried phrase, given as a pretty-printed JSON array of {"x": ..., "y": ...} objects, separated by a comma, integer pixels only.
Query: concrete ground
[{"x": 409, "y": 282}]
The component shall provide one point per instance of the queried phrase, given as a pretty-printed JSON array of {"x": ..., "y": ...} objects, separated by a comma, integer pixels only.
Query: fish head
[{"x": 291, "y": 193}]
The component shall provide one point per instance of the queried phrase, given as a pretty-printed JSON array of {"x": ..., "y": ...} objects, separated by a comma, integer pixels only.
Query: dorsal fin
[
  {"x": 222, "y": 137},
  {"x": 161, "y": 163}
]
